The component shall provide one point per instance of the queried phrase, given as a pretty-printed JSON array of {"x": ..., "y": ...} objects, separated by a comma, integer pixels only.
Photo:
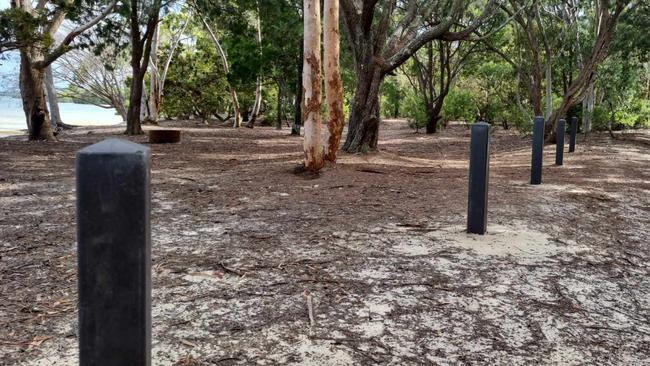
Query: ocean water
[{"x": 12, "y": 117}]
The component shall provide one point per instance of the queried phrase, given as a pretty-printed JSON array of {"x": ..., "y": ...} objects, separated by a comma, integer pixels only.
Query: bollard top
[
  {"x": 539, "y": 118},
  {"x": 114, "y": 146},
  {"x": 480, "y": 124}
]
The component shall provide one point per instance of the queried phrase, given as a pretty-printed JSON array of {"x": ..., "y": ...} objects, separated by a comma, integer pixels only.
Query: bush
[
  {"x": 414, "y": 111},
  {"x": 460, "y": 105}
]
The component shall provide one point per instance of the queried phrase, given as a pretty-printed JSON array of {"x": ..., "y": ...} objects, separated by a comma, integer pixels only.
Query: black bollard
[
  {"x": 559, "y": 142},
  {"x": 538, "y": 151},
  {"x": 479, "y": 173},
  {"x": 574, "y": 133},
  {"x": 114, "y": 254}
]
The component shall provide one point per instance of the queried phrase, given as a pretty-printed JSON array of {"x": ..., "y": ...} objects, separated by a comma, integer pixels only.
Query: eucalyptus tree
[
  {"x": 30, "y": 27},
  {"x": 53, "y": 100},
  {"x": 605, "y": 19},
  {"x": 383, "y": 34},
  {"x": 432, "y": 72},
  {"x": 143, "y": 16},
  {"x": 175, "y": 26},
  {"x": 312, "y": 85},
  {"x": 333, "y": 82}
]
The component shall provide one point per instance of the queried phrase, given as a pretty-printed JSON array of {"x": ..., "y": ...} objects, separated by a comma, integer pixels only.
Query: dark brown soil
[{"x": 240, "y": 239}]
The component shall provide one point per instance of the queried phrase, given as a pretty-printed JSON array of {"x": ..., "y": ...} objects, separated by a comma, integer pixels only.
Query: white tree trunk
[
  {"x": 549, "y": 87},
  {"x": 333, "y": 83},
  {"x": 52, "y": 99},
  {"x": 162, "y": 74},
  {"x": 154, "y": 77},
  {"x": 311, "y": 76},
  {"x": 226, "y": 68},
  {"x": 258, "y": 98},
  {"x": 258, "y": 83},
  {"x": 144, "y": 109},
  {"x": 588, "y": 108}
]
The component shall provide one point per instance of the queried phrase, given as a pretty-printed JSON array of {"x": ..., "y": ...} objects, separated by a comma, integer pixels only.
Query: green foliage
[
  {"x": 196, "y": 84},
  {"x": 18, "y": 29},
  {"x": 391, "y": 97},
  {"x": 460, "y": 105},
  {"x": 413, "y": 108}
]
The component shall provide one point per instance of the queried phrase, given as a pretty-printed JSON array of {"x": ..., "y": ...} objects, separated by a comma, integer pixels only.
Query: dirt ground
[{"x": 377, "y": 242}]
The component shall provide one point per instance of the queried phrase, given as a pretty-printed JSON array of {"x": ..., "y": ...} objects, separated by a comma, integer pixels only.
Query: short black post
[
  {"x": 574, "y": 133},
  {"x": 114, "y": 254},
  {"x": 559, "y": 142},
  {"x": 538, "y": 151},
  {"x": 479, "y": 173}
]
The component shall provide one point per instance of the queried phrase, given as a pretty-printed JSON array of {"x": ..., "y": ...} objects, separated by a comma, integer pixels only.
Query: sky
[{"x": 8, "y": 65}]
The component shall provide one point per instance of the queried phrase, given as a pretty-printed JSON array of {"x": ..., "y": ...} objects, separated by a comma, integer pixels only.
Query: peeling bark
[
  {"x": 333, "y": 83},
  {"x": 312, "y": 145}
]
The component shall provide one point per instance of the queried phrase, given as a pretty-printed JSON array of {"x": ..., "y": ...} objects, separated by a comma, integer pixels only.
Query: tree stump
[{"x": 164, "y": 136}]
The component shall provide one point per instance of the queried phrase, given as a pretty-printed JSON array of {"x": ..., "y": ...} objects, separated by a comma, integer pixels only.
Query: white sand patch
[
  {"x": 371, "y": 329},
  {"x": 189, "y": 233},
  {"x": 214, "y": 229},
  {"x": 517, "y": 241},
  {"x": 375, "y": 273},
  {"x": 378, "y": 307},
  {"x": 64, "y": 353},
  {"x": 316, "y": 354},
  {"x": 412, "y": 247}
]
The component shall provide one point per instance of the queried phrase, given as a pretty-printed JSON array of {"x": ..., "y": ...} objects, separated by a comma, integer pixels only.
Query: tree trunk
[
  {"x": 32, "y": 91},
  {"x": 258, "y": 83},
  {"x": 226, "y": 69},
  {"x": 433, "y": 115},
  {"x": 297, "y": 113},
  {"x": 313, "y": 144},
  {"x": 144, "y": 105},
  {"x": 133, "y": 123},
  {"x": 278, "y": 120},
  {"x": 606, "y": 21},
  {"x": 333, "y": 83},
  {"x": 52, "y": 100},
  {"x": 140, "y": 53},
  {"x": 536, "y": 92},
  {"x": 363, "y": 125},
  {"x": 588, "y": 108},
  {"x": 549, "y": 88},
  {"x": 154, "y": 79}
]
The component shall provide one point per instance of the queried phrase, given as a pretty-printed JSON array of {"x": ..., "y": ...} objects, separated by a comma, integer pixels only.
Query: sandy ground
[{"x": 377, "y": 242}]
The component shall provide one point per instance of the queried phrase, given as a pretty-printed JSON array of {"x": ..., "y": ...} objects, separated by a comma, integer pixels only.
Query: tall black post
[
  {"x": 538, "y": 151},
  {"x": 114, "y": 254},
  {"x": 559, "y": 142},
  {"x": 479, "y": 172},
  {"x": 574, "y": 133}
]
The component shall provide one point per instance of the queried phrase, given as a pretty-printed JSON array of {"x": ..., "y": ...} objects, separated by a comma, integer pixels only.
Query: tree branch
[{"x": 63, "y": 47}]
